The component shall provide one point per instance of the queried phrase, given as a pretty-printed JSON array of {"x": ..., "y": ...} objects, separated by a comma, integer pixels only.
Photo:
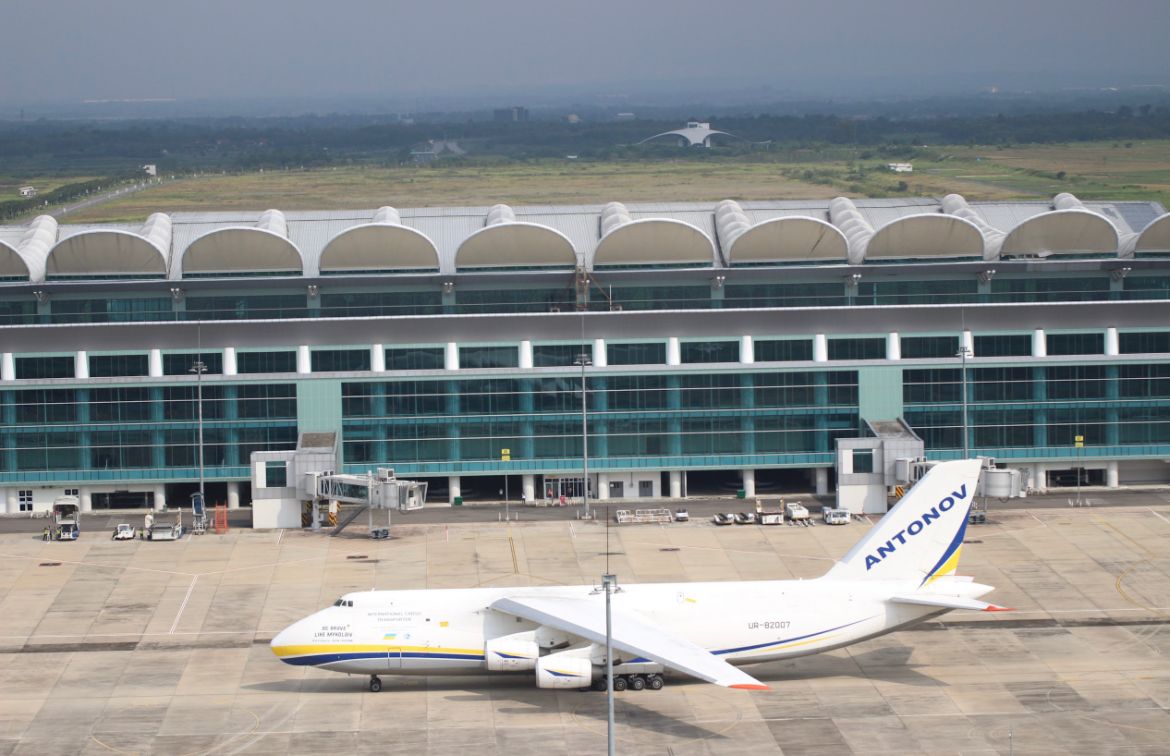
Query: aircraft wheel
[
  {"x": 375, "y": 684},
  {"x": 599, "y": 684},
  {"x": 620, "y": 683},
  {"x": 655, "y": 682},
  {"x": 637, "y": 682}
]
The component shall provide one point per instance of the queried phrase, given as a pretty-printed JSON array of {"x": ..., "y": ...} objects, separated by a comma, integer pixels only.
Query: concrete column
[
  {"x": 600, "y": 355},
  {"x": 160, "y": 498},
  {"x": 820, "y": 348},
  {"x": 602, "y": 492},
  {"x": 526, "y": 354},
  {"x": 822, "y": 481},
  {"x": 156, "y": 366},
  {"x": 11, "y": 502},
  {"x": 304, "y": 360},
  {"x": 673, "y": 351},
  {"x": 7, "y": 367},
  {"x": 893, "y": 346},
  {"x": 747, "y": 351},
  {"x": 1112, "y": 475},
  {"x": 967, "y": 339},
  {"x": 1112, "y": 342},
  {"x": 86, "y": 497},
  {"x": 528, "y": 486},
  {"x": 1039, "y": 343},
  {"x": 1036, "y": 477},
  {"x": 676, "y": 484},
  {"x": 81, "y": 366},
  {"x": 229, "y": 361},
  {"x": 454, "y": 489},
  {"x": 378, "y": 358},
  {"x": 451, "y": 356},
  {"x": 749, "y": 482},
  {"x": 233, "y": 487}
]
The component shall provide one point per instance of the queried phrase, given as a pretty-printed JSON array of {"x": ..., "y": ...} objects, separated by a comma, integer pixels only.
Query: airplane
[{"x": 900, "y": 573}]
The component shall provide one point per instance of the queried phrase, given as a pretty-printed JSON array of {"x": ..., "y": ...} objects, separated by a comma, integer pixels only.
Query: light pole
[
  {"x": 963, "y": 353},
  {"x": 199, "y": 368},
  {"x": 583, "y": 360},
  {"x": 608, "y": 582}
]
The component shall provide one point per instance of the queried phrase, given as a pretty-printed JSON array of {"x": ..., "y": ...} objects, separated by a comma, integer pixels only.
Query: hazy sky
[{"x": 58, "y": 51}]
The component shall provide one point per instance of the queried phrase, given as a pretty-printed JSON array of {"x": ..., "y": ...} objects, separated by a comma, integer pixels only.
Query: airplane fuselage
[{"x": 447, "y": 631}]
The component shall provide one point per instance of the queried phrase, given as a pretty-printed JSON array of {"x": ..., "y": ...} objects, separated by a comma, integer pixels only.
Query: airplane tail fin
[{"x": 921, "y": 537}]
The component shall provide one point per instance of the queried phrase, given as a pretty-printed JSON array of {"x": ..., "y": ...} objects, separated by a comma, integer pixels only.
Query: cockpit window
[{"x": 343, "y": 602}]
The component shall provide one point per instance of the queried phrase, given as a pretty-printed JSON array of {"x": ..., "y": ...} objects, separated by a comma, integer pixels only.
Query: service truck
[{"x": 66, "y": 518}]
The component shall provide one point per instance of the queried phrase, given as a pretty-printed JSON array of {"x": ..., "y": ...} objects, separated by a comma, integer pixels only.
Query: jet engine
[
  {"x": 511, "y": 653},
  {"x": 561, "y": 671}
]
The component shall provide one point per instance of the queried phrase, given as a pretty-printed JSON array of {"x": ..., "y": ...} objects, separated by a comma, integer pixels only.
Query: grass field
[
  {"x": 1091, "y": 171},
  {"x": 10, "y": 185}
]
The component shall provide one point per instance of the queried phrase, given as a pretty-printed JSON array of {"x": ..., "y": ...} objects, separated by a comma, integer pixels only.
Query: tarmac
[{"x": 138, "y": 647}]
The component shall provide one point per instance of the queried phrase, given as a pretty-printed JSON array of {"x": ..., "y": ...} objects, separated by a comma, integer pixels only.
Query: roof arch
[
  {"x": 956, "y": 204},
  {"x": 263, "y": 249},
  {"x": 12, "y": 264},
  {"x": 1155, "y": 237},
  {"x": 1070, "y": 231},
  {"x": 652, "y": 241},
  {"x": 504, "y": 242},
  {"x": 109, "y": 252},
  {"x": 926, "y": 236},
  {"x": 382, "y": 244},
  {"x": 857, "y": 230},
  {"x": 27, "y": 259},
  {"x": 695, "y": 134},
  {"x": 788, "y": 239}
]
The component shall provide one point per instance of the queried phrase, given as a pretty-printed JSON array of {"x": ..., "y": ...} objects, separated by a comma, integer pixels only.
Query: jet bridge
[{"x": 379, "y": 490}]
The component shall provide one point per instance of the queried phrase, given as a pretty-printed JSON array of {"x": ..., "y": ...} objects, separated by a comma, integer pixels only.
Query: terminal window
[
  {"x": 709, "y": 351},
  {"x": 1145, "y": 342},
  {"x": 117, "y": 365},
  {"x": 783, "y": 350},
  {"x": 334, "y": 360},
  {"x": 919, "y": 347},
  {"x": 267, "y": 362},
  {"x": 44, "y": 367},
  {"x": 560, "y": 355},
  {"x": 414, "y": 358},
  {"x": 1005, "y": 345},
  {"x": 1075, "y": 343},
  {"x": 488, "y": 357},
  {"x": 653, "y": 353},
  {"x": 276, "y": 474},
  {"x": 857, "y": 349},
  {"x": 182, "y": 363}
]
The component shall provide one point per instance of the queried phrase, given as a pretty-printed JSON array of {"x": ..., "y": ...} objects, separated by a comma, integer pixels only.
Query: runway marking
[
  {"x": 279, "y": 535},
  {"x": 1160, "y": 517},
  {"x": 1037, "y": 519},
  {"x": 186, "y": 598},
  {"x": 515, "y": 564}
]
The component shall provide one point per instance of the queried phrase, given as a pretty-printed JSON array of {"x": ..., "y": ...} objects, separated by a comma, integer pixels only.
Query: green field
[{"x": 1140, "y": 170}]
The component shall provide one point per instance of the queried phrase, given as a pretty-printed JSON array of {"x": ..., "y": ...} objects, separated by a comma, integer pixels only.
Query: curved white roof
[
  {"x": 1062, "y": 232},
  {"x": 1155, "y": 237},
  {"x": 509, "y": 244},
  {"x": 263, "y": 248},
  {"x": 857, "y": 230},
  {"x": 654, "y": 241},
  {"x": 788, "y": 239},
  {"x": 12, "y": 265},
  {"x": 956, "y": 204},
  {"x": 930, "y": 235},
  {"x": 107, "y": 252},
  {"x": 384, "y": 244},
  {"x": 696, "y": 133},
  {"x": 27, "y": 259}
]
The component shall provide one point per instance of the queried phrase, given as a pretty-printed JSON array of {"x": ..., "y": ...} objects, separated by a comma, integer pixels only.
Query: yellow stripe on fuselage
[{"x": 360, "y": 648}]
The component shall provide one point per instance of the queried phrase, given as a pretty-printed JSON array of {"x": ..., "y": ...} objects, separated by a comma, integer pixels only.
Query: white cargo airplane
[{"x": 900, "y": 573}]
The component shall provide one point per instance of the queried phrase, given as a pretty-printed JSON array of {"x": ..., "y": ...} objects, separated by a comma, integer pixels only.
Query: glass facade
[
  {"x": 336, "y": 360},
  {"x": 709, "y": 351},
  {"x": 783, "y": 350},
  {"x": 857, "y": 349}
]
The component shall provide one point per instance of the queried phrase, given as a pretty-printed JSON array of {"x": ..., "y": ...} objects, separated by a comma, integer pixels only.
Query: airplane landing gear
[
  {"x": 375, "y": 684},
  {"x": 655, "y": 682},
  {"x": 637, "y": 682}
]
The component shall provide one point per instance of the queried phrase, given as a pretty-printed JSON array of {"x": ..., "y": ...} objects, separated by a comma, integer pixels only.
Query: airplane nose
[{"x": 280, "y": 644}]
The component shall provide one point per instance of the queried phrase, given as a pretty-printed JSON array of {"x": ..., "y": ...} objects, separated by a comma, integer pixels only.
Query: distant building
[
  {"x": 901, "y": 167},
  {"x": 430, "y": 150},
  {"x": 150, "y": 169},
  {"x": 514, "y": 114},
  {"x": 572, "y": 118},
  {"x": 696, "y": 134},
  {"x": 28, "y": 191},
  {"x": 625, "y": 116}
]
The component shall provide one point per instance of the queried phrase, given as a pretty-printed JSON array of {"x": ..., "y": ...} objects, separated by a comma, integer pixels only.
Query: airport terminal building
[{"x": 720, "y": 344}]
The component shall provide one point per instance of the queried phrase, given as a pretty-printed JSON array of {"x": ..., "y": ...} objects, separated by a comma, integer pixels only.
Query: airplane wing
[
  {"x": 632, "y": 634},
  {"x": 948, "y": 602}
]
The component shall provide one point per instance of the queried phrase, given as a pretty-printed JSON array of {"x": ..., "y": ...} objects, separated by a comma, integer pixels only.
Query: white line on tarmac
[
  {"x": 1160, "y": 517},
  {"x": 186, "y": 598},
  {"x": 1037, "y": 519}
]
